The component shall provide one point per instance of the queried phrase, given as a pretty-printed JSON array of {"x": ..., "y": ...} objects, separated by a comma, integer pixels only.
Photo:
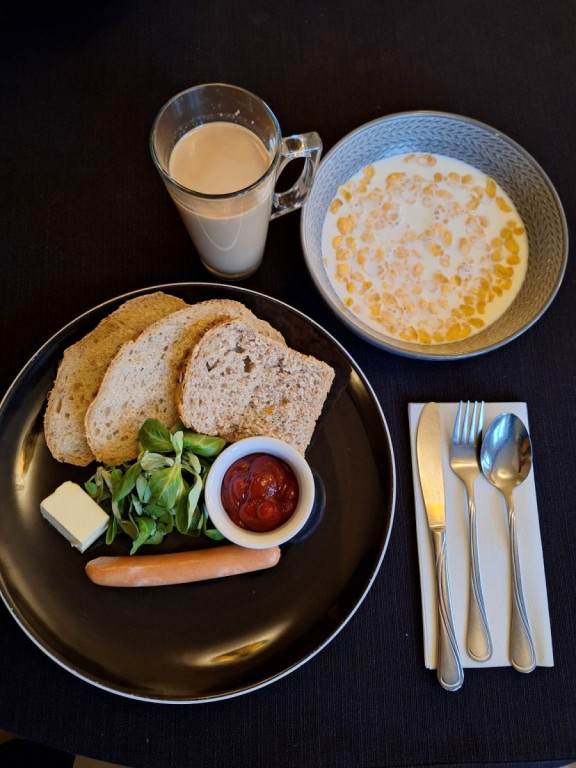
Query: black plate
[{"x": 211, "y": 640}]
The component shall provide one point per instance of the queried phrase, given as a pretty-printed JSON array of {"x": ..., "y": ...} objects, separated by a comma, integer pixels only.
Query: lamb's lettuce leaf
[{"x": 162, "y": 490}]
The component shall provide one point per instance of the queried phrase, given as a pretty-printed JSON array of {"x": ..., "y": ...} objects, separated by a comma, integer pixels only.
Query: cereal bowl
[
  {"x": 491, "y": 153},
  {"x": 245, "y": 537}
]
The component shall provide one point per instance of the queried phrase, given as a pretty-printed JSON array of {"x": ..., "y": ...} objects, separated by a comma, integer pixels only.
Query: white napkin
[{"x": 493, "y": 547}]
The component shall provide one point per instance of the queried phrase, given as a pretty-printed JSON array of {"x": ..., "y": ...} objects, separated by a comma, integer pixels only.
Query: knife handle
[{"x": 448, "y": 664}]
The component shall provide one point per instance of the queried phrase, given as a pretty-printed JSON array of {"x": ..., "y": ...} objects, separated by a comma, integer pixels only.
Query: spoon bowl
[
  {"x": 506, "y": 454},
  {"x": 506, "y": 461}
]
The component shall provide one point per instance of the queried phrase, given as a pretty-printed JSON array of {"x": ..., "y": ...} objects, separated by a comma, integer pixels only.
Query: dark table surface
[{"x": 85, "y": 218}]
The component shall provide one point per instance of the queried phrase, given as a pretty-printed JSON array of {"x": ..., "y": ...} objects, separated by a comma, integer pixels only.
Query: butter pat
[{"x": 75, "y": 515}]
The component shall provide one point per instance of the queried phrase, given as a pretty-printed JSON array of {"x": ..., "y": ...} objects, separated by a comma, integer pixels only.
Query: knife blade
[{"x": 429, "y": 453}]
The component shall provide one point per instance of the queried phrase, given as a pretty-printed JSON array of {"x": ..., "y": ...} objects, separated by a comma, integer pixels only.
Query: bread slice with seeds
[
  {"x": 82, "y": 369},
  {"x": 142, "y": 380},
  {"x": 240, "y": 383}
]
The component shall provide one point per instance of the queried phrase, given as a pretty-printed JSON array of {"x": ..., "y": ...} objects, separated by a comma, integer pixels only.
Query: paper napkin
[{"x": 493, "y": 546}]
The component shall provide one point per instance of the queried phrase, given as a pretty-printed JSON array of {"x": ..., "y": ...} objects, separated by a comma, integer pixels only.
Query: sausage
[{"x": 179, "y": 567}]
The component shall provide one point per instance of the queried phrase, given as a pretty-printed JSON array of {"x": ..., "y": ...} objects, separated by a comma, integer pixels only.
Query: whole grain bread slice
[
  {"x": 82, "y": 369},
  {"x": 142, "y": 380},
  {"x": 239, "y": 383}
]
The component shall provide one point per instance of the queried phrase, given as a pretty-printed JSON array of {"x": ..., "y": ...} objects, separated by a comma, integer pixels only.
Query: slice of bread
[
  {"x": 82, "y": 369},
  {"x": 142, "y": 380},
  {"x": 239, "y": 383}
]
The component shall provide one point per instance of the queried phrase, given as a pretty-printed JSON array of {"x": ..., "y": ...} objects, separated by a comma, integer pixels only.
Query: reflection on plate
[
  {"x": 485, "y": 149},
  {"x": 217, "y": 639}
]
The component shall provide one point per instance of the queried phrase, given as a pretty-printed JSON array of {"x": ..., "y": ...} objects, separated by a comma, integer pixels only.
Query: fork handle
[
  {"x": 449, "y": 666},
  {"x": 478, "y": 640}
]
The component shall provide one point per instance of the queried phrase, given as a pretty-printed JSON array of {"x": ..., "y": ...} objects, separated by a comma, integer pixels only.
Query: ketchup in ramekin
[{"x": 259, "y": 492}]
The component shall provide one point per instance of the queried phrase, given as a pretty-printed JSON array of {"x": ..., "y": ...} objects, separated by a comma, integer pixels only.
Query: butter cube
[{"x": 75, "y": 515}]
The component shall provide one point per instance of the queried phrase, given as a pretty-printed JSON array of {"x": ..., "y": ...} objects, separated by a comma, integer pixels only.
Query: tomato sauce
[{"x": 259, "y": 492}]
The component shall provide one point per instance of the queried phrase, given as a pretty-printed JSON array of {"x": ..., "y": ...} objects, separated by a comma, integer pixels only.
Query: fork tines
[{"x": 469, "y": 422}]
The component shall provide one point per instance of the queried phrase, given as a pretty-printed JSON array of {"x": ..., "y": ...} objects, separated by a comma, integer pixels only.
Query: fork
[{"x": 464, "y": 460}]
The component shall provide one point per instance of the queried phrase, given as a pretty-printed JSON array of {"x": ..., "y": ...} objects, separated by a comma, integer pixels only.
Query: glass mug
[{"x": 229, "y": 228}]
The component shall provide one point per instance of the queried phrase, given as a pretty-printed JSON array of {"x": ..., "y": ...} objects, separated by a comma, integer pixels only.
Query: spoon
[{"x": 506, "y": 460}]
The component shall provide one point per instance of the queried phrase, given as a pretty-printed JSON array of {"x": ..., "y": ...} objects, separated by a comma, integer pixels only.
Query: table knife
[{"x": 429, "y": 452}]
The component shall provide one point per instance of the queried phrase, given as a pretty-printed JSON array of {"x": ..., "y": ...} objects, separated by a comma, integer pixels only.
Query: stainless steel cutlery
[
  {"x": 506, "y": 459},
  {"x": 465, "y": 463},
  {"x": 429, "y": 451},
  {"x": 503, "y": 455}
]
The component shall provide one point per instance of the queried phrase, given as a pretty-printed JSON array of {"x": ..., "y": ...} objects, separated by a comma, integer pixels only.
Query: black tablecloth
[{"x": 85, "y": 218}]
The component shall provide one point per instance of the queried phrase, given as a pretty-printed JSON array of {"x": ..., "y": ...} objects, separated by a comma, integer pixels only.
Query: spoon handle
[
  {"x": 449, "y": 666},
  {"x": 522, "y": 654},
  {"x": 478, "y": 640}
]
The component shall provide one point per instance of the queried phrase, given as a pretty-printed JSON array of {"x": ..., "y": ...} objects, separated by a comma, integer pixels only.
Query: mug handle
[{"x": 308, "y": 146}]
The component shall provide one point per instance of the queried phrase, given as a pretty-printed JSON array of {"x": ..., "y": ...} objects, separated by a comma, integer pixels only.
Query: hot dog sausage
[{"x": 179, "y": 567}]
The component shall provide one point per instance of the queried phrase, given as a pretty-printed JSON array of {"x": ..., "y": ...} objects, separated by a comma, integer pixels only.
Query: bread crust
[
  {"x": 82, "y": 369},
  {"x": 143, "y": 378},
  {"x": 239, "y": 383}
]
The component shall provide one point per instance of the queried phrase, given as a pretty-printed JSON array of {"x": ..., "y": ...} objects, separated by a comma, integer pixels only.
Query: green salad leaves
[{"x": 162, "y": 489}]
